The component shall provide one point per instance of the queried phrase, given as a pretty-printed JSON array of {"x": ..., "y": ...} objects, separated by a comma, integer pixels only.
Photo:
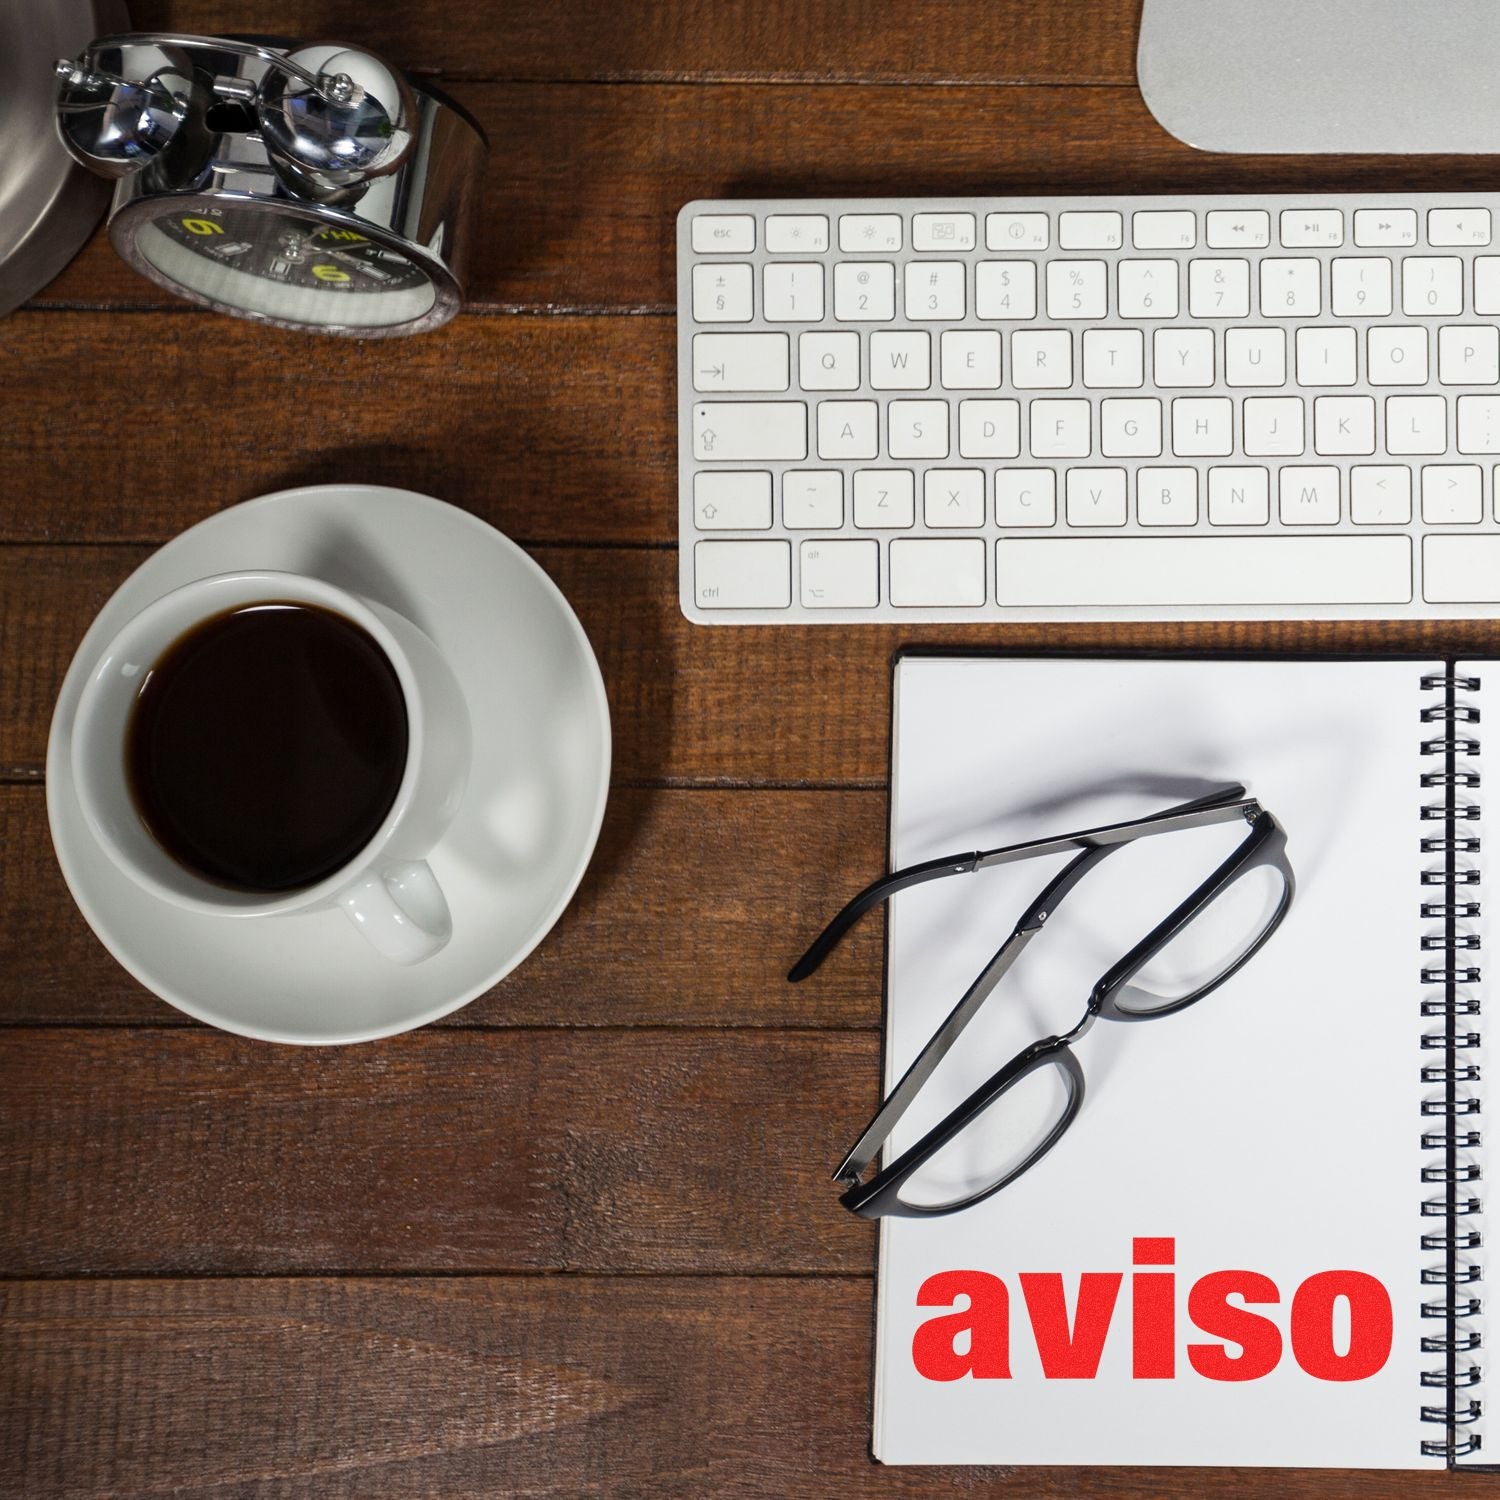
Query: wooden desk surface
[{"x": 579, "y": 1238}]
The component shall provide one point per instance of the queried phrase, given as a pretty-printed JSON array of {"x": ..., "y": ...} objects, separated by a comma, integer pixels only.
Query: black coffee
[{"x": 267, "y": 745}]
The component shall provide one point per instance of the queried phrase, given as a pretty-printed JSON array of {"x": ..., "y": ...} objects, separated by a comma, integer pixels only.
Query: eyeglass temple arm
[
  {"x": 1219, "y": 806},
  {"x": 862, "y": 1153}
]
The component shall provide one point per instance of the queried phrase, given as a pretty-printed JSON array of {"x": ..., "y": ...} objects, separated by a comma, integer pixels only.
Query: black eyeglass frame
[{"x": 1263, "y": 846}]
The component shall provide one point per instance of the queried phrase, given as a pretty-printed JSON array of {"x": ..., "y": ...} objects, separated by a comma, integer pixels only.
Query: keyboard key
[
  {"x": 989, "y": 429},
  {"x": 729, "y": 500},
  {"x": 1375, "y": 227},
  {"x": 1219, "y": 288},
  {"x": 1274, "y": 426},
  {"x": 1164, "y": 229},
  {"x": 840, "y": 575},
  {"x": 953, "y": 497},
  {"x": 1308, "y": 228},
  {"x": 1380, "y": 494},
  {"x": 917, "y": 429},
  {"x": 1309, "y": 495},
  {"x": 1005, "y": 289},
  {"x": 1077, "y": 289},
  {"x": 1432, "y": 286},
  {"x": 742, "y": 575},
  {"x": 1041, "y": 359},
  {"x": 1016, "y": 232},
  {"x": 1461, "y": 569},
  {"x": 971, "y": 360},
  {"x": 934, "y": 290},
  {"x": 873, "y": 232},
  {"x": 812, "y": 499},
  {"x": 741, "y": 362},
  {"x": 1182, "y": 357},
  {"x": 737, "y": 430},
  {"x": 792, "y": 234},
  {"x": 1469, "y": 354},
  {"x": 1112, "y": 572},
  {"x": 1361, "y": 286},
  {"x": 1148, "y": 289},
  {"x": 1093, "y": 229},
  {"x": 1113, "y": 358},
  {"x": 793, "y": 293},
  {"x": 828, "y": 361},
  {"x": 1059, "y": 429},
  {"x": 723, "y": 234},
  {"x": 1458, "y": 226},
  {"x": 1130, "y": 427},
  {"x": 1238, "y": 229},
  {"x": 900, "y": 361},
  {"x": 1326, "y": 356},
  {"x": 1025, "y": 497},
  {"x": 1255, "y": 356},
  {"x": 942, "y": 231},
  {"x": 1452, "y": 494},
  {"x": 1398, "y": 356},
  {"x": 1166, "y": 497},
  {"x": 1202, "y": 426},
  {"x": 937, "y": 574},
  {"x": 1416, "y": 424},
  {"x": 864, "y": 291},
  {"x": 1343, "y": 425},
  {"x": 885, "y": 499},
  {"x": 1238, "y": 495},
  {"x": 1479, "y": 424},
  {"x": 1290, "y": 288},
  {"x": 723, "y": 293},
  {"x": 1487, "y": 284},
  {"x": 848, "y": 429},
  {"x": 1096, "y": 497}
]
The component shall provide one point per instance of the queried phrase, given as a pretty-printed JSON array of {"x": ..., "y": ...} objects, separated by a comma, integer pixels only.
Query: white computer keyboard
[{"x": 1245, "y": 407}]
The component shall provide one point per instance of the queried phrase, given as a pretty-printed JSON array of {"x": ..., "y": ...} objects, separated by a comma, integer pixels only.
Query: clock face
[{"x": 284, "y": 267}]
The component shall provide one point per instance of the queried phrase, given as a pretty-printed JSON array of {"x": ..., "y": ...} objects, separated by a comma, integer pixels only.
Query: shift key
[{"x": 740, "y": 430}]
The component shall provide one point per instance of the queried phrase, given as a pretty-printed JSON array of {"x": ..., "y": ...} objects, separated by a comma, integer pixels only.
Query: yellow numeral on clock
[
  {"x": 330, "y": 273},
  {"x": 202, "y": 226}
]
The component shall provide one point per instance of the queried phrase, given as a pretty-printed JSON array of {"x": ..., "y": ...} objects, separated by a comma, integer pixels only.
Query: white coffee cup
[{"x": 387, "y": 890}]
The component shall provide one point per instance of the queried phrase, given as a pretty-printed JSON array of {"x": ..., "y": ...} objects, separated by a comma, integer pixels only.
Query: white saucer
[{"x": 523, "y": 835}]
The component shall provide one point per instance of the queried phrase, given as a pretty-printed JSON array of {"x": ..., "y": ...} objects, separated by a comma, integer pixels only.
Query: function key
[
  {"x": 1458, "y": 226},
  {"x": 1016, "y": 231},
  {"x": 1239, "y": 229},
  {"x": 942, "y": 232},
  {"x": 1376, "y": 228},
  {"x": 789, "y": 233},
  {"x": 1154, "y": 229},
  {"x": 869, "y": 232},
  {"x": 1311, "y": 228},
  {"x": 723, "y": 234},
  {"x": 1094, "y": 229}
]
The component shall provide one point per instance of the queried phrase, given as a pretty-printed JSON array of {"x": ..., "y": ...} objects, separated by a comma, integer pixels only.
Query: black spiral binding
[{"x": 1452, "y": 974}]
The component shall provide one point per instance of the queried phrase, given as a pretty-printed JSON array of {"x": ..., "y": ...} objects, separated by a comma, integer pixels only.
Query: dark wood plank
[
  {"x": 689, "y": 703},
  {"x": 585, "y": 181},
  {"x": 973, "y": 41},
  {"x": 189, "y": 1152},
  {"x": 541, "y": 1387},
  {"x": 695, "y": 906}
]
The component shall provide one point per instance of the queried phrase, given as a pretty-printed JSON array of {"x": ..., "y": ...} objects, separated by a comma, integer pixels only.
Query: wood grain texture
[
  {"x": 585, "y": 181},
  {"x": 972, "y": 41},
  {"x": 555, "y": 1388},
  {"x": 756, "y": 704},
  {"x": 193, "y": 1152},
  {"x": 694, "y": 907}
]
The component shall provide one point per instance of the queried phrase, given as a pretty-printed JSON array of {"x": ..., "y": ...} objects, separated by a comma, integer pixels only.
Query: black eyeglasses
[{"x": 1014, "y": 1119}]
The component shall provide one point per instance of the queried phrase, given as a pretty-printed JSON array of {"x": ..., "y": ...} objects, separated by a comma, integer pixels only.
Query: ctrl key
[{"x": 742, "y": 575}]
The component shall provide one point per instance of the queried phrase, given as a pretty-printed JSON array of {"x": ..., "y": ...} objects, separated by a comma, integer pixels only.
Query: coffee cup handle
[{"x": 401, "y": 911}]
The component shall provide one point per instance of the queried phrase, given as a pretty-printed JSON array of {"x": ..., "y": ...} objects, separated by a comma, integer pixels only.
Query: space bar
[{"x": 1204, "y": 570}]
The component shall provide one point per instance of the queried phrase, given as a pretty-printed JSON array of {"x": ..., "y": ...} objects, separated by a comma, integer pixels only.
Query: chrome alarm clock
[{"x": 307, "y": 186}]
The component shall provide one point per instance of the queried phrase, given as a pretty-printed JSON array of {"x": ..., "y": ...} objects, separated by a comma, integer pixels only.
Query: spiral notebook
[{"x": 1261, "y": 1243}]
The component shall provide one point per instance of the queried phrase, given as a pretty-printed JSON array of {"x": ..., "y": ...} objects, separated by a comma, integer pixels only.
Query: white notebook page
[{"x": 1272, "y": 1128}]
